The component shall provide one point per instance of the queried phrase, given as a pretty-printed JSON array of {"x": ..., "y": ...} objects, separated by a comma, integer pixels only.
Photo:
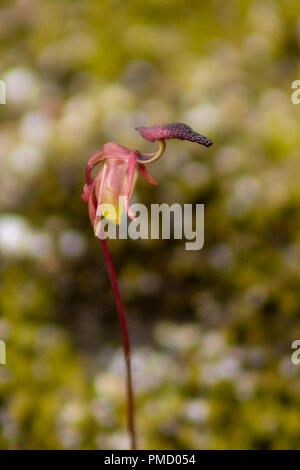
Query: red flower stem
[{"x": 126, "y": 343}]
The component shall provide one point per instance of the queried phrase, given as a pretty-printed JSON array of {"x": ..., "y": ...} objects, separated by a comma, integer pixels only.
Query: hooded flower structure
[
  {"x": 115, "y": 179},
  {"x": 121, "y": 165}
]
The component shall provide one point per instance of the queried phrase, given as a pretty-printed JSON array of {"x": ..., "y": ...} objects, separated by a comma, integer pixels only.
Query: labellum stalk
[{"x": 117, "y": 178}]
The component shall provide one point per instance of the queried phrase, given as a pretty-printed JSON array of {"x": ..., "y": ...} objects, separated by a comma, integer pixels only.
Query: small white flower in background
[
  {"x": 36, "y": 127},
  {"x": 14, "y": 234},
  {"x": 17, "y": 238},
  {"x": 22, "y": 86},
  {"x": 197, "y": 411},
  {"x": 26, "y": 159}
]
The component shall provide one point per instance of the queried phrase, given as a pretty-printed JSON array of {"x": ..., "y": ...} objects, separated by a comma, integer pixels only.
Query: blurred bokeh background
[{"x": 211, "y": 329}]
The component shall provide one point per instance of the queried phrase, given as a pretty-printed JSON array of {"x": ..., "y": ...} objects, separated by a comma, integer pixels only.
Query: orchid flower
[
  {"x": 118, "y": 174},
  {"x": 116, "y": 179}
]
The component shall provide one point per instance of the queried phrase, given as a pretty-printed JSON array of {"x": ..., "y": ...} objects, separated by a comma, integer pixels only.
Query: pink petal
[
  {"x": 130, "y": 184},
  {"x": 145, "y": 173},
  {"x": 92, "y": 161},
  {"x": 92, "y": 204},
  {"x": 111, "y": 184},
  {"x": 108, "y": 150},
  {"x": 112, "y": 150},
  {"x": 86, "y": 193}
]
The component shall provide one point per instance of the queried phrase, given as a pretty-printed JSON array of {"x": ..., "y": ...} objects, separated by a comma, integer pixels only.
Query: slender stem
[{"x": 126, "y": 343}]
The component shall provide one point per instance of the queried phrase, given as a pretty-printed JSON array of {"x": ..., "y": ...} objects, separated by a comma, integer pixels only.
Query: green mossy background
[{"x": 211, "y": 329}]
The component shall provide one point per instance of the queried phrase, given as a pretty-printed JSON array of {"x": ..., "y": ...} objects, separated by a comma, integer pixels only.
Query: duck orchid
[
  {"x": 116, "y": 179},
  {"x": 120, "y": 168}
]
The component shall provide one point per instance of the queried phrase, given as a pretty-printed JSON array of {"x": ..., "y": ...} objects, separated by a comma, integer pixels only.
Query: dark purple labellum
[{"x": 175, "y": 130}]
